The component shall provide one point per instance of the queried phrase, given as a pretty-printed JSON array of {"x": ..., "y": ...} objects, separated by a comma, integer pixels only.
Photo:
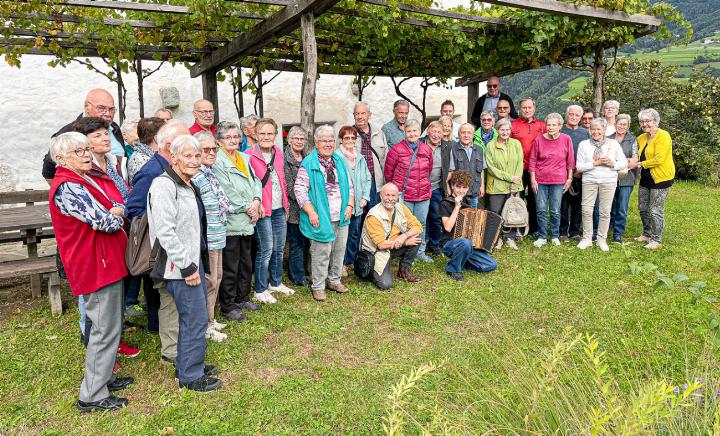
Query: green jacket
[
  {"x": 241, "y": 189},
  {"x": 502, "y": 166}
]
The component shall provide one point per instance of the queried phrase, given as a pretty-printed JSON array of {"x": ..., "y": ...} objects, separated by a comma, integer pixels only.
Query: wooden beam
[
  {"x": 402, "y": 20},
  {"x": 307, "y": 99},
  {"x": 437, "y": 12},
  {"x": 473, "y": 92},
  {"x": 120, "y": 5},
  {"x": 581, "y": 11},
  {"x": 210, "y": 91},
  {"x": 279, "y": 24}
]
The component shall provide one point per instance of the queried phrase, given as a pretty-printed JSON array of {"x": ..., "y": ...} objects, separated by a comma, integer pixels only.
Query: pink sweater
[
  {"x": 550, "y": 160},
  {"x": 257, "y": 161}
]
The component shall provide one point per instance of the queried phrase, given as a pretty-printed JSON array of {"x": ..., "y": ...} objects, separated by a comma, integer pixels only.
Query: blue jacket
[
  {"x": 137, "y": 201},
  {"x": 361, "y": 179},
  {"x": 318, "y": 197}
]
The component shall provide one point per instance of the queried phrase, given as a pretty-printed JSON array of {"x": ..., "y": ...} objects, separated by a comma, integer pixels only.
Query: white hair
[
  {"x": 576, "y": 107},
  {"x": 412, "y": 122},
  {"x": 361, "y": 103},
  {"x": 183, "y": 141},
  {"x": 129, "y": 126},
  {"x": 555, "y": 116},
  {"x": 601, "y": 121},
  {"x": 623, "y": 117},
  {"x": 223, "y": 127},
  {"x": 471, "y": 125},
  {"x": 649, "y": 114},
  {"x": 324, "y": 130},
  {"x": 244, "y": 121},
  {"x": 503, "y": 122},
  {"x": 611, "y": 103},
  {"x": 62, "y": 144},
  {"x": 204, "y": 135},
  {"x": 296, "y": 131},
  {"x": 488, "y": 114},
  {"x": 168, "y": 132}
]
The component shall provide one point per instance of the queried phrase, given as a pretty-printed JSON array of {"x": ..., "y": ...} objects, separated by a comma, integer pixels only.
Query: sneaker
[
  {"x": 455, "y": 276},
  {"x": 217, "y": 326},
  {"x": 281, "y": 288},
  {"x": 127, "y": 351},
  {"x": 249, "y": 305},
  {"x": 233, "y": 315},
  {"x": 167, "y": 361},
  {"x": 338, "y": 287},
  {"x": 209, "y": 370},
  {"x": 120, "y": 383},
  {"x": 511, "y": 243},
  {"x": 576, "y": 238},
  {"x": 555, "y": 241},
  {"x": 602, "y": 245},
  {"x": 617, "y": 239},
  {"x": 215, "y": 335},
  {"x": 653, "y": 245},
  {"x": 564, "y": 238},
  {"x": 425, "y": 258},
  {"x": 319, "y": 294},
  {"x": 584, "y": 244},
  {"x": 499, "y": 244},
  {"x": 109, "y": 403},
  {"x": 265, "y": 297},
  {"x": 135, "y": 310},
  {"x": 203, "y": 384},
  {"x": 643, "y": 238},
  {"x": 539, "y": 243}
]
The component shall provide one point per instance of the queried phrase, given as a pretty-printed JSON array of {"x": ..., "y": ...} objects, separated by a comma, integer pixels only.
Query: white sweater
[{"x": 600, "y": 174}]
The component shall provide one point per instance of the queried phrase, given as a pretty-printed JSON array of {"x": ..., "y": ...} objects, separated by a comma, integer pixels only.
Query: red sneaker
[
  {"x": 127, "y": 351},
  {"x": 116, "y": 368}
]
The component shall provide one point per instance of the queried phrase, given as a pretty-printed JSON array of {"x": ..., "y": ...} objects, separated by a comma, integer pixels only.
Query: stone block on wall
[{"x": 170, "y": 97}]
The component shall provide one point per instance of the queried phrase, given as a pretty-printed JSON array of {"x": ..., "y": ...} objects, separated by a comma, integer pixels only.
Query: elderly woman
[
  {"x": 599, "y": 159},
  {"x": 504, "y": 157},
  {"x": 268, "y": 162},
  {"x": 88, "y": 224},
  {"x": 361, "y": 180},
  {"x": 177, "y": 221},
  {"x": 217, "y": 206},
  {"x": 657, "y": 172},
  {"x": 447, "y": 128},
  {"x": 610, "y": 110},
  {"x": 552, "y": 160},
  {"x": 626, "y": 182},
  {"x": 249, "y": 136},
  {"x": 236, "y": 177},
  {"x": 486, "y": 132},
  {"x": 324, "y": 193},
  {"x": 442, "y": 165},
  {"x": 298, "y": 243},
  {"x": 130, "y": 135},
  {"x": 408, "y": 165}
]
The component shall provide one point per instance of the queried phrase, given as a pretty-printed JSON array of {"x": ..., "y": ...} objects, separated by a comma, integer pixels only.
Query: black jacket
[
  {"x": 477, "y": 110},
  {"x": 474, "y": 165},
  {"x": 48, "y": 167}
]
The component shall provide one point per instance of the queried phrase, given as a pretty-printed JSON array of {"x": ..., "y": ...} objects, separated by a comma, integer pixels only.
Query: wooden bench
[{"x": 34, "y": 266}]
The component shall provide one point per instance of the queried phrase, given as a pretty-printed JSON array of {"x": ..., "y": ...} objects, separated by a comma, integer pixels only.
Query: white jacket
[{"x": 600, "y": 174}]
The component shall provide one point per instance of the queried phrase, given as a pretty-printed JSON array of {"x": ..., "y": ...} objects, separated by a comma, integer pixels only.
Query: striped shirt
[{"x": 215, "y": 227}]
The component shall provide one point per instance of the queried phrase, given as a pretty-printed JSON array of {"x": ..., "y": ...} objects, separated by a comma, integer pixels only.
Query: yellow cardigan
[{"x": 658, "y": 155}]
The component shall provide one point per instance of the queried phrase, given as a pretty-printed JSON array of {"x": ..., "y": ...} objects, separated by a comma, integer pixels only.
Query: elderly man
[
  {"x": 325, "y": 195},
  {"x": 486, "y": 132},
  {"x": 525, "y": 129},
  {"x": 391, "y": 231},
  {"x": 490, "y": 100},
  {"x": 372, "y": 145},
  {"x": 610, "y": 110},
  {"x": 164, "y": 114},
  {"x": 587, "y": 116},
  {"x": 98, "y": 103},
  {"x": 571, "y": 206},
  {"x": 469, "y": 157},
  {"x": 204, "y": 114},
  {"x": 502, "y": 111},
  {"x": 249, "y": 137},
  {"x": 394, "y": 129}
]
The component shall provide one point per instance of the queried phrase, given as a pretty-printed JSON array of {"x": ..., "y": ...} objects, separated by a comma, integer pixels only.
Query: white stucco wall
[{"x": 36, "y": 100}]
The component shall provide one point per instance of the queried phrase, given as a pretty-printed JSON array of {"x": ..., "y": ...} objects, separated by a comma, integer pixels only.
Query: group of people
[{"x": 221, "y": 201}]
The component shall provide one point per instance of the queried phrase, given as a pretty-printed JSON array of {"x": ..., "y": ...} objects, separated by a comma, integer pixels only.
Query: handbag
[{"x": 365, "y": 260}]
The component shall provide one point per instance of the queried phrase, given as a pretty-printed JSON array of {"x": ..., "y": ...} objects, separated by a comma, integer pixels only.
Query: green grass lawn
[{"x": 303, "y": 367}]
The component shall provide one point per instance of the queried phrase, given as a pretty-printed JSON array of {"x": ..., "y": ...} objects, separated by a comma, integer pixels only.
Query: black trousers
[
  {"x": 236, "y": 282},
  {"x": 530, "y": 197},
  {"x": 571, "y": 214}
]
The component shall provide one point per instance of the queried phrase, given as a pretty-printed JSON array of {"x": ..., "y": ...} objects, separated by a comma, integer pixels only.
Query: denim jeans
[
  {"x": 353, "y": 239},
  {"x": 473, "y": 200},
  {"x": 374, "y": 195},
  {"x": 434, "y": 223},
  {"x": 462, "y": 255},
  {"x": 270, "y": 233},
  {"x": 619, "y": 211},
  {"x": 420, "y": 210},
  {"x": 548, "y": 196},
  {"x": 298, "y": 250}
]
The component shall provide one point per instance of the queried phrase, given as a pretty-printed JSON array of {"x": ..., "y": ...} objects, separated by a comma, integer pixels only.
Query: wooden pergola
[{"x": 293, "y": 22}]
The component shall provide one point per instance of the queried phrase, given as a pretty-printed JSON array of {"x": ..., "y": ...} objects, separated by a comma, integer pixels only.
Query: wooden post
[
  {"x": 599, "y": 69},
  {"x": 141, "y": 90},
  {"x": 307, "y": 101},
  {"x": 473, "y": 91},
  {"x": 54, "y": 294},
  {"x": 210, "y": 92},
  {"x": 259, "y": 96}
]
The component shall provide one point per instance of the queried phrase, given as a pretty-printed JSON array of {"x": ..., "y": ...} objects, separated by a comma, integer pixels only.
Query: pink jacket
[
  {"x": 397, "y": 162},
  {"x": 257, "y": 161}
]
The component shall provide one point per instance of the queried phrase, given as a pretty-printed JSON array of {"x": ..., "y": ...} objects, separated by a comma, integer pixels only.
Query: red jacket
[
  {"x": 92, "y": 259},
  {"x": 257, "y": 161},
  {"x": 525, "y": 131},
  {"x": 198, "y": 128},
  {"x": 397, "y": 163}
]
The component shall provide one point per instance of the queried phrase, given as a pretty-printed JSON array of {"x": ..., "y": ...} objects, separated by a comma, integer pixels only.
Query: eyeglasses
[
  {"x": 298, "y": 138},
  {"x": 588, "y": 118},
  {"x": 503, "y": 108},
  {"x": 267, "y": 134},
  {"x": 325, "y": 141},
  {"x": 206, "y": 113},
  {"x": 349, "y": 138},
  {"x": 493, "y": 86},
  {"x": 487, "y": 120},
  {"x": 103, "y": 109},
  {"x": 228, "y": 137},
  {"x": 80, "y": 152},
  {"x": 208, "y": 150}
]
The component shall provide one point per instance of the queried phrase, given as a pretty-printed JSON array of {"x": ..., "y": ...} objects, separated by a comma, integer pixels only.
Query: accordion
[{"x": 480, "y": 226}]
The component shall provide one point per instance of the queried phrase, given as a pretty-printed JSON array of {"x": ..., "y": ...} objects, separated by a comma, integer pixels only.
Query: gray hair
[
  {"x": 445, "y": 118},
  {"x": 223, "y": 127},
  {"x": 472, "y": 126},
  {"x": 555, "y": 116},
  {"x": 296, "y": 131},
  {"x": 574, "y": 107},
  {"x": 204, "y": 135},
  {"x": 530, "y": 99},
  {"x": 401, "y": 102},
  {"x": 129, "y": 126},
  {"x": 435, "y": 123},
  {"x": 601, "y": 121},
  {"x": 244, "y": 121},
  {"x": 324, "y": 130},
  {"x": 503, "y": 122},
  {"x": 611, "y": 103},
  {"x": 163, "y": 109},
  {"x": 361, "y": 103},
  {"x": 183, "y": 141},
  {"x": 487, "y": 113},
  {"x": 168, "y": 132},
  {"x": 412, "y": 122},
  {"x": 649, "y": 114},
  {"x": 61, "y": 144},
  {"x": 623, "y": 117}
]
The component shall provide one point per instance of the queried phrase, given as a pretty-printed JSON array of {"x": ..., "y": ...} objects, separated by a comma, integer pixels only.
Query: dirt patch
[{"x": 15, "y": 296}]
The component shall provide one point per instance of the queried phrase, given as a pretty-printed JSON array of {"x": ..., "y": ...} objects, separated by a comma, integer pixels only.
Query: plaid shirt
[{"x": 366, "y": 150}]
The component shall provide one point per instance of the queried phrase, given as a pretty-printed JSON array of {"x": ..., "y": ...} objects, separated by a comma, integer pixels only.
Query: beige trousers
[
  {"x": 168, "y": 320},
  {"x": 604, "y": 193},
  {"x": 213, "y": 276}
]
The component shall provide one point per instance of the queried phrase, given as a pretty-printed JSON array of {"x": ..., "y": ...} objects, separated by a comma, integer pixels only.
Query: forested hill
[{"x": 703, "y": 14}]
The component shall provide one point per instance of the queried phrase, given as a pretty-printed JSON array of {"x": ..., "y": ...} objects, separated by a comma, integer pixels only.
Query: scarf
[
  {"x": 598, "y": 153},
  {"x": 223, "y": 200},
  {"x": 238, "y": 161},
  {"x": 413, "y": 145},
  {"x": 329, "y": 165},
  {"x": 350, "y": 155},
  {"x": 116, "y": 178},
  {"x": 487, "y": 136}
]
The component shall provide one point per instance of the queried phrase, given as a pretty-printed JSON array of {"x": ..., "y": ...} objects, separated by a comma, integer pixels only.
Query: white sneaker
[
  {"x": 265, "y": 297},
  {"x": 652, "y": 245},
  {"x": 539, "y": 243},
  {"x": 281, "y": 288},
  {"x": 214, "y": 335},
  {"x": 585, "y": 243},
  {"x": 499, "y": 244},
  {"x": 602, "y": 245},
  {"x": 511, "y": 243},
  {"x": 555, "y": 241},
  {"x": 217, "y": 326}
]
